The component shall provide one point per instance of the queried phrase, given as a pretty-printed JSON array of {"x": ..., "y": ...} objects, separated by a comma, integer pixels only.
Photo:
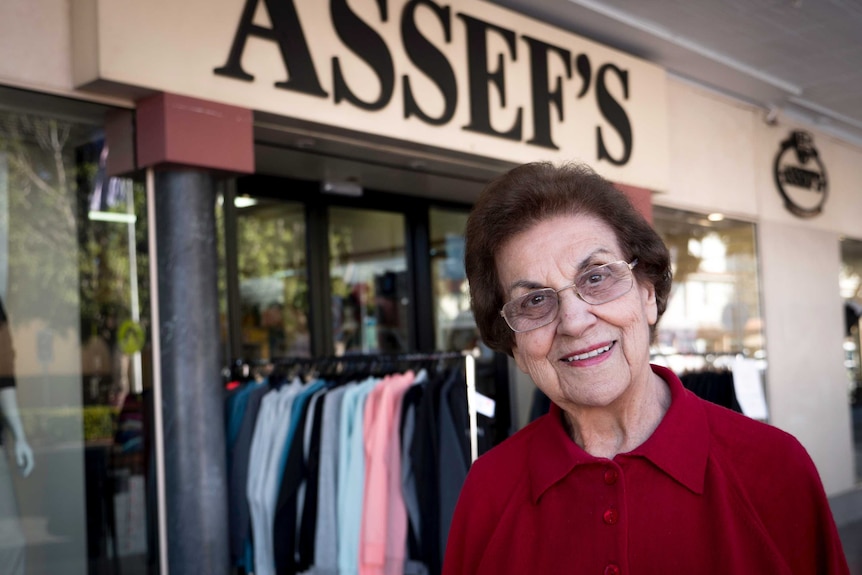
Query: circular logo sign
[
  {"x": 800, "y": 175},
  {"x": 131, "y": 337}
]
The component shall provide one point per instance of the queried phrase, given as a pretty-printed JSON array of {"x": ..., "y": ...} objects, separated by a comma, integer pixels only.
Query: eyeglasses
[{"x": 595, "y": 286}]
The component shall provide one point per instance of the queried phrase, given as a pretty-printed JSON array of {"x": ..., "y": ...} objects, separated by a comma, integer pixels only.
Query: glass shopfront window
[
  {"x": 454, "y": 326},
  {"x": 368, "y": 275},
  {"x": 74, "y": 368},
  {"x": 713, "y": 314},
  {"x": 273, "y": 281},
  {"x": 850, "y": 282}
]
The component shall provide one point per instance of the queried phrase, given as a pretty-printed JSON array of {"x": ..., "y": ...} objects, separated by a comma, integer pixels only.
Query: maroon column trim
[
  {"x": 183, "y": 131},
  {"x": 640, "y": 197}
]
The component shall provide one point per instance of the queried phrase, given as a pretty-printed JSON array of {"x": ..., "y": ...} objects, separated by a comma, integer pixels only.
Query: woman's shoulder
[
  {"x": 733, "y": 426},
  {"x": 751, "y": 445},
  {"x": 503, "y": 467}
]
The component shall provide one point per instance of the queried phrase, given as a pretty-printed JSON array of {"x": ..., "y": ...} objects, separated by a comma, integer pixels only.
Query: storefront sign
[
  {"x": 800, "y": 175},
  {"x": 464, "y": 75}
]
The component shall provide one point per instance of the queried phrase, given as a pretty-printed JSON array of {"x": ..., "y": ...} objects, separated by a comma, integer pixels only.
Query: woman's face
[{"x": 552, "y": 254}]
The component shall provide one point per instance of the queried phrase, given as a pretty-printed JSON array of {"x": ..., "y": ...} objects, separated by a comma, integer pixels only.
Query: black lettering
[
  {"x": 613, "y": 113},
  {"x": 370, "y": 47},
  {"x": 480, "y": 77},
  {"x": 585, "y": 72},
  {"x": 544, "y": 98},
  {"x": 802, "y": 178},
  {"x": 430, "y": 60},
  {"x": 287, "y": 32}
]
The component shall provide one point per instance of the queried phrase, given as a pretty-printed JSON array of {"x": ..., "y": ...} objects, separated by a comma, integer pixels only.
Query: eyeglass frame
[{"x": 630, "y": 266}]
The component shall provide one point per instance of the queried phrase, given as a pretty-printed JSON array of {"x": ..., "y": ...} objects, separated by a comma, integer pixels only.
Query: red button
[
  {"x": 611, "y": 476},
  {"x": 612, "y": 569},
  {"x": 611, "y": 516}
]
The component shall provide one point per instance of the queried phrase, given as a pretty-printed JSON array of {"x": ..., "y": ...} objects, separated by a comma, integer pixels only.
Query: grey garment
[
  {"x": 408, "y": 480},
  {"x": 316, "y": 570},
  {"x": 453, "y": 463},
  {"x": 415, "y": 568},
  {"x": 326, "y": 527},
  {"x": 13, "y": 546},
  {"x": 238, "y": 511}
]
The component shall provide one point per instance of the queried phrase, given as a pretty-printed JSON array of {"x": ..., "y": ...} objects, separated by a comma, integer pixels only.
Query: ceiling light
[
  {"x": 715, "y": 217},
  {"x": 244, "y": 201}
]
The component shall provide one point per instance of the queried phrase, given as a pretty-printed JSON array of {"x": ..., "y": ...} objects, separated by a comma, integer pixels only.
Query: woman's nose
[{"x": 574, "y": 315}]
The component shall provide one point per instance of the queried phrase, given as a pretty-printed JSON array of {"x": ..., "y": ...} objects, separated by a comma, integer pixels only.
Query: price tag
[{"x": 485, "y": 405}]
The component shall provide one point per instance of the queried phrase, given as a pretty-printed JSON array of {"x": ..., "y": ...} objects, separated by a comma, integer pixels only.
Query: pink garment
[
  {"x": 396, "y": 541},
  {"x": 383, "y": 534}
]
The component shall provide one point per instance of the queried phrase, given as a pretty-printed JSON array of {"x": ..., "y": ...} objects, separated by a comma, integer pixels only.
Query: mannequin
[
  {"x": 9, "y": 409},
  {"x": 12, "y": 550}
]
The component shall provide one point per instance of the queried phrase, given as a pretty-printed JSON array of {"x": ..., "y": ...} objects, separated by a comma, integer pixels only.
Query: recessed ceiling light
[{"x": 244, "y": 201}]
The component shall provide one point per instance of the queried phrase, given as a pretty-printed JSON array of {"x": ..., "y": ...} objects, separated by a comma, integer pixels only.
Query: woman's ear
[{"x": 649, "y": 303}]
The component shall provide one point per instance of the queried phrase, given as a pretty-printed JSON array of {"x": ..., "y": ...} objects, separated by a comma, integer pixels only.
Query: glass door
[
  {"x": 454, "y": 326},
  {"x": 850, "y": 282},
  {"x": 368, "y": 275},
  {"x": 273, "y": 281}
]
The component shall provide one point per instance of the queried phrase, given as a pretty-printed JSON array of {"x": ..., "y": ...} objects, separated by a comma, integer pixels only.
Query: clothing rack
[
  {"x": 336, "y": 364},
  {"x": 712, "y": 360}
]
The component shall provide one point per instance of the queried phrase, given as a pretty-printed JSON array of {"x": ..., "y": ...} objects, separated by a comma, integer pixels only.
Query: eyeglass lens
[{"x": 595, "y": 286}]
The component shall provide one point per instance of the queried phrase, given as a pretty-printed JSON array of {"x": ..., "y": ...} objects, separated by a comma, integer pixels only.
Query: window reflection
[
  {"x": 73, "y": 280},
  {"x": 273, "y": 281},
  {"x": 368, "y": 275},
  {"x": 850, "y": 283},
  {"x": 454, "y": 326},
  {"x": 714, "y": 307}
]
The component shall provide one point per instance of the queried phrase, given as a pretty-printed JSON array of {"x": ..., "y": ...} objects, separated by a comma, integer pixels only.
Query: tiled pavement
[{"x": 851, "y": 536}]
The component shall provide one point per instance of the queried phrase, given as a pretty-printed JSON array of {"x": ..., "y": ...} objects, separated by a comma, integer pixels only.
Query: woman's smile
[{"x": 598, "y": 352}]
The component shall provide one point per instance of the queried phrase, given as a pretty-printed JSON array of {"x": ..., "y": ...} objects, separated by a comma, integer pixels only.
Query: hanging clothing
[
  {"x": 268, "y": 445},
  {"x": 294, "y": 474},
  {"x": 343, "y": 476},
  {"x": 239, "y": 518},
  {"x": 714, "y": 385},
  {"x": 383, "y": 538}
]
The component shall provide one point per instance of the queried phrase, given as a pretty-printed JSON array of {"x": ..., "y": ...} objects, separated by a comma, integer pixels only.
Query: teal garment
[
  {"x": 236, "y": 404},
  {"x": 351, "y": 474}
]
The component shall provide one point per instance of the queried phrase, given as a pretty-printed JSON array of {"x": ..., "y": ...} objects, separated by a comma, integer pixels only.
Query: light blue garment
[
  {"x": 260, "y": 443},
  {"x": 351, "y": 475},
  {"x": 266, "y": 473},
  {"x": 326, "y": 524}
]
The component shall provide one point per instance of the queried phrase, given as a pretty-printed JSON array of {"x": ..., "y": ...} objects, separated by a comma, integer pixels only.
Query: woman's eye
[
  {"x": 596, "y": 277},
  {"x": 534, "y": 300}
]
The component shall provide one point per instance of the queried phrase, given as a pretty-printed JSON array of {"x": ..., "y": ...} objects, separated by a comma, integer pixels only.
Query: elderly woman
[{"x": 629, "y": 472}]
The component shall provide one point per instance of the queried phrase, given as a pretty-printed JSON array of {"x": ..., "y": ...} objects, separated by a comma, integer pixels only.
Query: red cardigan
[{"x": 710, "y": 492}]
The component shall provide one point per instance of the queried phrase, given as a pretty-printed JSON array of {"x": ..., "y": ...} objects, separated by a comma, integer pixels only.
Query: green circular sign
[{"x": 131, "y": 337}]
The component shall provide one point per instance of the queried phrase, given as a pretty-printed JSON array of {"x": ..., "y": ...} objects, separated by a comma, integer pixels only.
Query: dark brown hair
[{"x": 532, "y": 193}]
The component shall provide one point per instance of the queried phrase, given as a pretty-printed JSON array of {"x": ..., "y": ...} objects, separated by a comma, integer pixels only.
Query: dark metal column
[{"x": 194, "y": 438}]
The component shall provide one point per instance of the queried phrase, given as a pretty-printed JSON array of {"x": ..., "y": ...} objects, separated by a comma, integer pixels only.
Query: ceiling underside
[{"x": 798, "y": 58}]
